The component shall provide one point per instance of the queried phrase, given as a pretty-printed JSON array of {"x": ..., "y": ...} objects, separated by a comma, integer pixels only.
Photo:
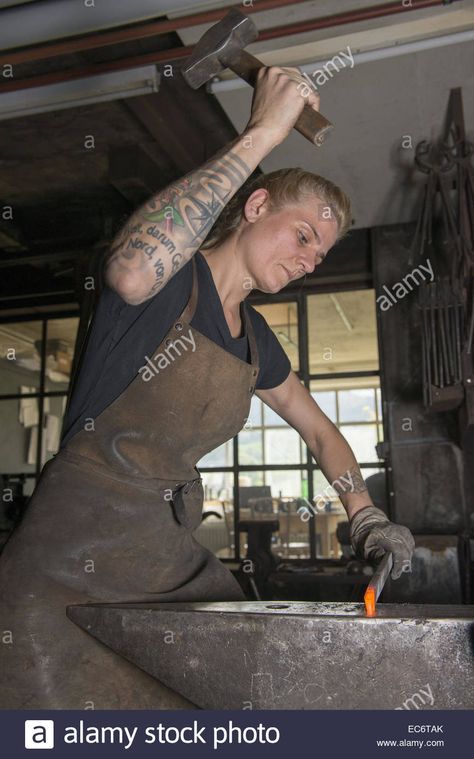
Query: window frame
[
  {"x": 309, "y": 465},
  {"x": 41, "y": 393}
]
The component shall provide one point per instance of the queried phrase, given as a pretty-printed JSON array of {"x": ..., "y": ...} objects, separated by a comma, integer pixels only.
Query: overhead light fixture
[
  {"x": 92, "y": 89},
  {"x": 367, "y": 56}
]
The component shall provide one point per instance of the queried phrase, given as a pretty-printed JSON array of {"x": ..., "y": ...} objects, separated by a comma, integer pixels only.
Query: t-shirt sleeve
[{"x": 274, "y": 363}]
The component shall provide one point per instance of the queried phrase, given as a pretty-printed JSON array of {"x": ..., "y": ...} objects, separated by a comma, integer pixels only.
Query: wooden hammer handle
[{"x": 311, "y": 124}]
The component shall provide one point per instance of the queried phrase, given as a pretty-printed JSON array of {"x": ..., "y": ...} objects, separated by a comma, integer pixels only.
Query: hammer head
[{"x": 217, "y": 46}]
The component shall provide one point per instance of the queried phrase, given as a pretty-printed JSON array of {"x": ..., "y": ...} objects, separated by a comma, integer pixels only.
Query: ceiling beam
[
  {"x": 188, "y": 142},
  {"x": 38, "y": 22},
  {"x": 130, "y": 33}
]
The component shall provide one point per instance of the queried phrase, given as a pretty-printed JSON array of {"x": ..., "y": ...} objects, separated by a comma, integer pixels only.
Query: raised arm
[{"x": 163, "y": 234}]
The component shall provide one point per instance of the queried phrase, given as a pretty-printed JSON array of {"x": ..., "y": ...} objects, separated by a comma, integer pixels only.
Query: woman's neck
[{"x": 229, "y": 274}]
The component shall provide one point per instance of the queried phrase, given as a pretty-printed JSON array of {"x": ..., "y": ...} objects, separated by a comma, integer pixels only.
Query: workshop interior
[{"x": 110, "y": 104}]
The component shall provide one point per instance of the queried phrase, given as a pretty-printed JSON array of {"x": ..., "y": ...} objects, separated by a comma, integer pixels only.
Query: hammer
[{"x": 221, "y": 47}]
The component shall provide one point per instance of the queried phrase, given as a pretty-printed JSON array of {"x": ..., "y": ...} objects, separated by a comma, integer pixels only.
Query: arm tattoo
[
  {"x": 159, "y": 273},
  {"x": 194, "y": 204},
  {"x": 177, "y": 220},
  {"x": 351, "y": 482}
]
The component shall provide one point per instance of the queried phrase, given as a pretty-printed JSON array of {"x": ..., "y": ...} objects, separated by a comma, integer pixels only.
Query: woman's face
[{"x": 281, "y": 246}]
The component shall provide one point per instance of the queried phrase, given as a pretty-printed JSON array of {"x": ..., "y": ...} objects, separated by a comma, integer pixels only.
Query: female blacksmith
[{"x": 173, "y": 359}]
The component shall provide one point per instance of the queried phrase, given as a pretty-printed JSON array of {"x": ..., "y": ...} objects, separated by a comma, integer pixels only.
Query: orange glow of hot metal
[{"x": 369, "y": 600}]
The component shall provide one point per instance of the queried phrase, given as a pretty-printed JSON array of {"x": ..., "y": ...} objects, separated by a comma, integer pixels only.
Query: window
[
  {"x": 354, "y": 407},
  {"x": 268, "y": 464},
  {"x": 283, "y": 319},
  {"x": 342, "y": 332},
  {"x": 344, "y": 381},
  {"x": 35, "y": 368},
  {"x": 266, "y": 472}
]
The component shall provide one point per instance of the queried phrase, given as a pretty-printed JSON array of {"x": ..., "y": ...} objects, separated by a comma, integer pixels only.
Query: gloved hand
[{"x": 372, "y": 534}]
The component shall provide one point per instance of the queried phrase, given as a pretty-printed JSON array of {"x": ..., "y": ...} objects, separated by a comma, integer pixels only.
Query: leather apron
[{"x": 112, "y": 519}]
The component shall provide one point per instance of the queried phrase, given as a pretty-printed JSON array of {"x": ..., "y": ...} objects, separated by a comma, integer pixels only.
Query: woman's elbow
[{"x": 129, "y": 285}]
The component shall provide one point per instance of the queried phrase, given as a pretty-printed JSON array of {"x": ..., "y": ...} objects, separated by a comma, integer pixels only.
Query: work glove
[{"x": 372, "y": 535}]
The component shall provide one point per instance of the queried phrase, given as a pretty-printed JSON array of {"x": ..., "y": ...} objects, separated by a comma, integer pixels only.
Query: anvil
[{"x": 295, "y": 655}]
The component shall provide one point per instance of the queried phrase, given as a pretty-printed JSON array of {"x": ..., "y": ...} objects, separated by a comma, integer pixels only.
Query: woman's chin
[
  {"x": 270, "y": 282},
  {"x": 274, "y": 284},
  {"x": 271, "y": 288}
]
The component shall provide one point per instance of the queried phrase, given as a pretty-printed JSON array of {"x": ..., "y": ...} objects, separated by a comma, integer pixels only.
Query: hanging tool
[
  {"x": 446, "y": 225},
  {"x": 222, "y": 46},
  {"x": 441, "y": 307}
]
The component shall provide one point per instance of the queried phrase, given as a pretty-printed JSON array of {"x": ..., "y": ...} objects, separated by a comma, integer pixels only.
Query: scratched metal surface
[{"x": 296, "y": 655}]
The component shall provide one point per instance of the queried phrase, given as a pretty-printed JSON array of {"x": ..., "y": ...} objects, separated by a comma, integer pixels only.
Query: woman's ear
[{"x": 257, "y": 205}]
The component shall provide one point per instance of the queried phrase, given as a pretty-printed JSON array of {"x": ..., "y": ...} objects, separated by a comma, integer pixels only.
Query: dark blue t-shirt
[{"x": 122, "y": 335}]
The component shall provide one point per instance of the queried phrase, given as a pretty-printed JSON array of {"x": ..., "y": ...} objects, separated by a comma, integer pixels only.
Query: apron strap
[
  {"x": 251, "y": 338},
  {"x": 189, "y": 309}
]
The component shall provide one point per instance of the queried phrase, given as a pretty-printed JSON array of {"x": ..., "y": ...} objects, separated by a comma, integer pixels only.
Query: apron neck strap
[
  {"x": 251, "y": 337},
  {"x": 189, "y": 309},
  {"x": 188, "y": 313}
]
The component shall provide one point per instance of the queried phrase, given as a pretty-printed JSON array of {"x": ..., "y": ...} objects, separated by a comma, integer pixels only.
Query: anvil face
[{"x": 296, "y": 655}]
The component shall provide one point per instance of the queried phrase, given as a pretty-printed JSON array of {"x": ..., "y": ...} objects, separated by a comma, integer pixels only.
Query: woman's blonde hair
[{"x": 285, "y": 186}]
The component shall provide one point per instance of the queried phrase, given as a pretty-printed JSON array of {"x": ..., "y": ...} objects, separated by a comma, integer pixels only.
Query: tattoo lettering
[
  {"x": 137, "y": 244},
  {"x": 116, "y": 249},
  {"x": 176, "y": 262},
  {"x": 154, "y": 232},
  {"x": 159, "y": 274}
]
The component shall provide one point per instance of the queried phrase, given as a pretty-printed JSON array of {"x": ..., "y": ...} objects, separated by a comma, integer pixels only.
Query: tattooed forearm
[
  {"x": 161, "y": 237},
  {"x": 351, "y": 482},
  {"x": 176, "y": 262},
  {"x": 176, "y": 221},
  {"x": 189, "y": 209},
  {"x": 358, "y": 482},
  {"x": 159, "y": 274}
]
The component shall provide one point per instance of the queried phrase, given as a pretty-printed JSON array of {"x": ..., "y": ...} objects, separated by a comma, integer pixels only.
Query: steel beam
[
  {"x": 296, "y": 655},
  {"x": 49, "y": 20}
]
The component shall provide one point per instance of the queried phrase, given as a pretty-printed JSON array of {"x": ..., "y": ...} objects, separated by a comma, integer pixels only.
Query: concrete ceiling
[
  {"x": 377, "y": 107},
  {"x": 66, "y": 196}
]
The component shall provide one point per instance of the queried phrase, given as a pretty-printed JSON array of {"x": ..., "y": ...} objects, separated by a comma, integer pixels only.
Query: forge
[{"x": 295, "y": 655}]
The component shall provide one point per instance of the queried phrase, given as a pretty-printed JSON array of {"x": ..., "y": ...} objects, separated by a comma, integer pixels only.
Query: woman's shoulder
[{"x": 274, "y": 363}]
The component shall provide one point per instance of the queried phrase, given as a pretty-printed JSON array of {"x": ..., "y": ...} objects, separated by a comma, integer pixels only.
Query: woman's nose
[{"x": 308, "y": 261}]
